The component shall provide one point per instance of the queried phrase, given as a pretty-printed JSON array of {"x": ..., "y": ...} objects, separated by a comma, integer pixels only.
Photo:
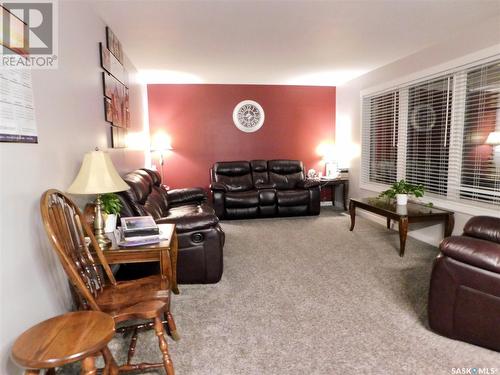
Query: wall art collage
[{"x": 115, "y": 88}]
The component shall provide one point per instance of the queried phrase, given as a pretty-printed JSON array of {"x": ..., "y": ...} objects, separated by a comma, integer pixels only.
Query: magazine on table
[
  {"x": 137, "y": 226},
  {"x": 164, "y": 235}
]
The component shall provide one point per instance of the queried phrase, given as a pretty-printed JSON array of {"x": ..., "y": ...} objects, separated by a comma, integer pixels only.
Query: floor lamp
[{"x": 161, "y": 144}]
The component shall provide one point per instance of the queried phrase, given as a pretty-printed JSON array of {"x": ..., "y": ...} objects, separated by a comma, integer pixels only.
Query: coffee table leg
[
  {"x": 448, "y": 225},
  {"x": 352, "y": 212},
  {"x": 332, "y": 188},
  {"x": 388, "y": 223},
  {"x": 403, "y": 232}
]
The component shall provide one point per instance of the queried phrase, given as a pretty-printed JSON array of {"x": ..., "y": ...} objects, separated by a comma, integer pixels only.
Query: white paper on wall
[{"x": 17, "y": 113}]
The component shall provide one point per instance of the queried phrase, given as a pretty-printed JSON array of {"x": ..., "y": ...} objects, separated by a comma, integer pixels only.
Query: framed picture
[
  {"x": 127, "y": 119},
  {"x": 108, "y": 111},
  {"x": 111, "y": 64},
  {"x": 118, "y": 137},
  {"x": 116, "y": 92},
  {"x": 331, "y": 169},
  {"x": 114, "y": 45}
]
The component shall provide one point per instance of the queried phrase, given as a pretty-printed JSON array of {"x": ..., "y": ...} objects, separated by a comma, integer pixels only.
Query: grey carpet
[{"x": 306, "y": 296}]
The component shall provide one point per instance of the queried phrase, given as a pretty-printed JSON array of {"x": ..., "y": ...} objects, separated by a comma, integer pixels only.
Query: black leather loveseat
[
  {"x": 261, "y": 188},
  {"x": 199, "y": 234}
]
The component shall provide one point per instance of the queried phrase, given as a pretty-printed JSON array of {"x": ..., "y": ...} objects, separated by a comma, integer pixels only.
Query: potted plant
[
  {"x": 401, "y": 189},
  {"x": 111, "y": 207}
]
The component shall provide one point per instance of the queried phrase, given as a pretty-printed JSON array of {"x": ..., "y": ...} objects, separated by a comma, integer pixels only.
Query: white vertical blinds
[{"x": 434, "y": 133}]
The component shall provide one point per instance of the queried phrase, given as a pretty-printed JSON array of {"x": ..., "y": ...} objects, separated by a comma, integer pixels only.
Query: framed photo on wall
[
  {"x": 108, "y": 110},
  {"x": 118, "y": 137},
  {"x": 116, "y": 92},
  {"x": 114, "y": 45},
  {"x": 111, "y": 64}
]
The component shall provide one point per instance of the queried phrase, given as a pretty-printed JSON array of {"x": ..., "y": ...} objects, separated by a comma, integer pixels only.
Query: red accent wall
[{"x": 199, "y": 120}]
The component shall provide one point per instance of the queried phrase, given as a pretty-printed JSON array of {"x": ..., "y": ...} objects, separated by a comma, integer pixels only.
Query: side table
[
  {"x": 64, "y": 339},
  {"x": 332, "y": 184}
]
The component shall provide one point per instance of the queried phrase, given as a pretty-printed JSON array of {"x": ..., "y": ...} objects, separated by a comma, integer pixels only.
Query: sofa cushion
[
  {"x": 474, "y": 251},
  {"x": 155, "y": 204},
  {"x": 140, "y": 186},
  {"x": 190, "y": 217},
  {"x": 485, "y": 227},
  {"x": 267, "y": 197},
  {"x": 235, "y": 175},
  {"x": 242, "y": 199},
  {"x": 259, "y": 172},
  {"x": 285, "y": 174},
  {"x": 292, "y": 197}
]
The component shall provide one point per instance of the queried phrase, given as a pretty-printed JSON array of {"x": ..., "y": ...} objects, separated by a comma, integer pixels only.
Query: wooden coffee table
[{"x": 404, "y": 215}]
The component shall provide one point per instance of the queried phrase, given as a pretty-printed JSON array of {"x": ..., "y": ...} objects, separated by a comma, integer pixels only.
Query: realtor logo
[{"x": 28, "y": 34}]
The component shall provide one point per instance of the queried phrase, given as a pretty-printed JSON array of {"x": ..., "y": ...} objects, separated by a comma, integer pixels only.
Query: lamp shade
[
  {"x": 493, "y": 138},
  {"x": 161, "y": 142},
  {"x": 97, "y": 175}
]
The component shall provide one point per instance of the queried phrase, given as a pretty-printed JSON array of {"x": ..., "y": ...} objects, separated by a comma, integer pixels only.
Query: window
[
  {"x": 428, "y": 134},
  {"x": 480, "y": 162},
  {"x": 434, "y": 132},
  {"x": 382, "y": 114}
]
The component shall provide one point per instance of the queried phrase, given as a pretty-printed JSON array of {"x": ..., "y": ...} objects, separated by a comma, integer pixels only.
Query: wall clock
[{"x": 248, "y": 116}]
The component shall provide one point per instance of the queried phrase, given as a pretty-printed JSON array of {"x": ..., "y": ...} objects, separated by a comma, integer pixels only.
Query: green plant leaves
[
  {"x": 403, "y": 187},
  {"x": 111, "y": 203}
]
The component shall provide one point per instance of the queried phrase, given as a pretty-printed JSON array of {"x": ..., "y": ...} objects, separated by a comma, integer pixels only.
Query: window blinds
[
  {"x": 380, "y": 119},
  {"x": 428, "y": 134},
  {"x": 480, "y": 162},
  {"x": 435, "y": 133}
]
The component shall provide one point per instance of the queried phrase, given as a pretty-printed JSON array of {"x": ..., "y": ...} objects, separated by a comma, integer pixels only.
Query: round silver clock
[{"x": 248, "y": 116}]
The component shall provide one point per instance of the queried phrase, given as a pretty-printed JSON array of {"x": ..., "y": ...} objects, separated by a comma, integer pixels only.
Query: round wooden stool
[{"x": 64, "y": 339}]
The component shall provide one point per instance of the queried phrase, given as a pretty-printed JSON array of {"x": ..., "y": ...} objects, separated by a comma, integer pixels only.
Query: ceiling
[{"x": 280, "y": 42}]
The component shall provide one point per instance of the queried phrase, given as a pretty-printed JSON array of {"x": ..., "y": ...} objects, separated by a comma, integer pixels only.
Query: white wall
[
  {"x": 454, "y": 51},
  {"x": 69, "y": 113}
]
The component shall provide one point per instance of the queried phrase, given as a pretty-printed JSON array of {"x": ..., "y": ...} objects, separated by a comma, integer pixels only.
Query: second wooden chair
[{"x": 137, "y": 299}]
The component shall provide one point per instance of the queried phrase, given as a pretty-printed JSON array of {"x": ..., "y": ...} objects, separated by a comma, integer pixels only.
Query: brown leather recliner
[
  {"x": 464, "y": 296},
  {"x": 199, "y": 234},
  {"x": 261, "y": 188}
]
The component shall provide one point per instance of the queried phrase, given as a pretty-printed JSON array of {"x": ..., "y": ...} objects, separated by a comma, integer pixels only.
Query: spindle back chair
[{"x": 95, "y": 283}]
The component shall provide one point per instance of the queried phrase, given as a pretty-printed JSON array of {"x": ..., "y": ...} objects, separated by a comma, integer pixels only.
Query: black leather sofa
[
  {"x": 199, "y": 234},
  {"x": 261, "y": 188},
  {"x": 464, "y": 294}
]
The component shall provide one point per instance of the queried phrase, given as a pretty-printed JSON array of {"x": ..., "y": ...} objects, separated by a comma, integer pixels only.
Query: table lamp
[
  {"x": 494, "y": 140},
  {"x": 98, "y": 175}
]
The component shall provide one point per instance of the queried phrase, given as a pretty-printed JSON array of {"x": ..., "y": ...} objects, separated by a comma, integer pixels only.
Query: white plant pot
[
  {"x": 402, "y": 209},
  {"x": 401, "y": 199},
  {"x": 110, "y": 224}
]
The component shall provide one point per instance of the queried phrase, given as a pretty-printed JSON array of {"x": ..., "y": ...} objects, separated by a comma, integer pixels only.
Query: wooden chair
[
  {"x": 136, "y": 299},
  {"x": 75, "y": 336}
]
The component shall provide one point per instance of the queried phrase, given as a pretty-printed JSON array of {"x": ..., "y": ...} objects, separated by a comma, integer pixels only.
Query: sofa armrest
[
  {"x": 484, "y": 227},
  {"x": 308, "y": 183},
  {"x": 262, "y": 185},
  {"x": 186, "y": 196},
  {"x": 218, "y": 186},
  {"x": 473, "y": 251}
]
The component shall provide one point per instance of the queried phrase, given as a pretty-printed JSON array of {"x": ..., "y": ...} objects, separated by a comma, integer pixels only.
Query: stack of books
[{"x": 137, "y": 230}]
